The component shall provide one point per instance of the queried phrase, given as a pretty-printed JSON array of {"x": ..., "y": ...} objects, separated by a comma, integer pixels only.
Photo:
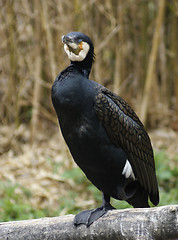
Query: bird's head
[{"x": 79, "y": 48}]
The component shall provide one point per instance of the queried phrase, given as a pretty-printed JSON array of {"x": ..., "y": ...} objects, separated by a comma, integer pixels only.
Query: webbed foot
[{"x": 89, "y": 216}]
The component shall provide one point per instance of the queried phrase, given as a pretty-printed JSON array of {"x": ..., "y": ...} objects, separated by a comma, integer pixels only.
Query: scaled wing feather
[{"x": 126, "y": 131}]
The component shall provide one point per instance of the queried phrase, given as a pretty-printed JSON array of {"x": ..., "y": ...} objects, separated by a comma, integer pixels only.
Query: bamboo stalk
[
  {"x": 118, "y": 73},
  {"x": 174, "y": 61},
  {"x": 163, "y": 70},
  {"x": 12, "y": 94},
  {"x": 144, "y": 42},
  {"x": 50, "y": 47},
  {"x": 37, "y": 76},
  {"x": 121, "y": 40},
  {"x": 152, "y": 61}
]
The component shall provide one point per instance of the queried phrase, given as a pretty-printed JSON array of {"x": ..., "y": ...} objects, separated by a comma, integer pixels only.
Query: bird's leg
[{"x": 89, "y": 216}]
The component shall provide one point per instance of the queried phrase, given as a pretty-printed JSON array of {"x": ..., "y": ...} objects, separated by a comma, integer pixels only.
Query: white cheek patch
[
  {"x": 82, "y": 54},
  {"x": 73, "y": 45},
  {"x": 128, "y": 171}
]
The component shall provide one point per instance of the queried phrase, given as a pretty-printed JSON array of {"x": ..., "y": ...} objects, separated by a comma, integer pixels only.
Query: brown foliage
[{"x": 122, "y": 31}]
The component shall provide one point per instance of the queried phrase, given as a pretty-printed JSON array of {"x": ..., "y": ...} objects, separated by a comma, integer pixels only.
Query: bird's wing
[{"x": 126, "y": 131}]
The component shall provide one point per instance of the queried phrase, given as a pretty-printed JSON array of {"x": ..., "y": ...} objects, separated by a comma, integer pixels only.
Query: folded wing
[{"x": 126, "y": 131}]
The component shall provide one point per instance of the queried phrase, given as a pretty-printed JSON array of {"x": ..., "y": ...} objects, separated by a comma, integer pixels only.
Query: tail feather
[
  {"x": 154, "y": 198},
  {"x": 139, "y": 199}
]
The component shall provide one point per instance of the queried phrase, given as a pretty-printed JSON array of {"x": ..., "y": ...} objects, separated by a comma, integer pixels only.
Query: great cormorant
[{"x": 104, "y": 135}]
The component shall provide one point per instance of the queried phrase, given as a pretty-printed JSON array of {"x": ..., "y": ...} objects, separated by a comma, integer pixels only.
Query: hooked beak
[
  {"x": 72, "y": 44},
  {"x": 67, "y": 40}
]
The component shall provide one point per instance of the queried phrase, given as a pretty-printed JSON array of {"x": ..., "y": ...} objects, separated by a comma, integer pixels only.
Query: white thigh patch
[{"x": 128, "y": 171}]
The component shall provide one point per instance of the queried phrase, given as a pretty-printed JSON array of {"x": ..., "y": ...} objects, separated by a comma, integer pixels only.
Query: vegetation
[
  {"x": 130, "y": 58},
  {"x": 136, "y": 56},
  {"x": 15, "y": 199}
]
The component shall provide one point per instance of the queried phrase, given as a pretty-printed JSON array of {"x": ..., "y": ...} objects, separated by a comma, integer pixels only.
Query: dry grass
[{"x": 40, "y": 168}]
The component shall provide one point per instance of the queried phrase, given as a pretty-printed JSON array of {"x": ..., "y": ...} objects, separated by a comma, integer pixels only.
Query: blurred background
[{"x": 136, "y": 46}]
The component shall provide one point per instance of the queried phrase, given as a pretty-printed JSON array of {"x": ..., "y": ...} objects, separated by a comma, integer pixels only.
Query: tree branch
[{"x": 148, "y": 223}]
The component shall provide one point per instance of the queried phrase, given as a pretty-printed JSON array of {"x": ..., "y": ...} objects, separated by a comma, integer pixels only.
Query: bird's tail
[{"x": 139, "y": 199}]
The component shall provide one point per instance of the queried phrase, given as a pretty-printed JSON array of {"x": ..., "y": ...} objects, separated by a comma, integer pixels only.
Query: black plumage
[{"x": 104, "y": 135}]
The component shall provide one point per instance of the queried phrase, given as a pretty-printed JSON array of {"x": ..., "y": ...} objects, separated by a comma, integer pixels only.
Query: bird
[{"x": 106, "y": 138}]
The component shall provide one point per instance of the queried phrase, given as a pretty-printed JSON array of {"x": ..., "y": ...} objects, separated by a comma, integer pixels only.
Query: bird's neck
[
  {"x": 86, "y": 71},
  {"x": 85, "y": 66}
]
